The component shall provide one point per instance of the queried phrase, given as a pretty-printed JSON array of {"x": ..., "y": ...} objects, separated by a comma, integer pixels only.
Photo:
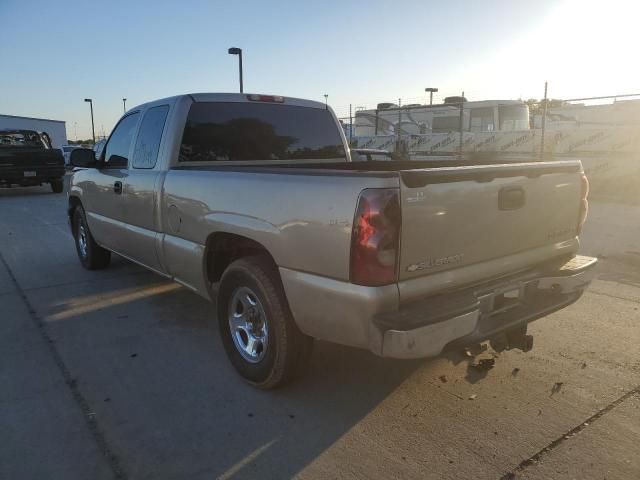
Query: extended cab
[
  {"x": 27, "y": 159},
  {"x": 256, "y": 202}
]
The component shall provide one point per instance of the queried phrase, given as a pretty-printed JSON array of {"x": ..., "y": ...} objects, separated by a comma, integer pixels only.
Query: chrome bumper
[
  {"x": 498, "y": 307},
  {"x": 372, "y": 317}
]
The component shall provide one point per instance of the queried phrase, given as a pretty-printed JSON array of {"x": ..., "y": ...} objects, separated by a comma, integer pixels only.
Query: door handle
[{"x": 117, "y": 188}]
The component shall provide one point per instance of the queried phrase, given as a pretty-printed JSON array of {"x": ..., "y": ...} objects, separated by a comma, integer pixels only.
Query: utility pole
[
  {"x": 431, "y": 91},
  {"x": 350, "y": 125},
  {"x": 398, "y": 127},
  {"x": 238, "y": 51},
  {"x": 93, "y": 130},
  {"x": 544, "y": 120},
  {"x": 461, "y": 123}
]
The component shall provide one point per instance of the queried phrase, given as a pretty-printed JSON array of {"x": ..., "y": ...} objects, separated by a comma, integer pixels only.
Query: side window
[
  {"x": 120, "y": 141},
  {"x": 482, "y": 120},
  {"x": 145, "y": 154}
]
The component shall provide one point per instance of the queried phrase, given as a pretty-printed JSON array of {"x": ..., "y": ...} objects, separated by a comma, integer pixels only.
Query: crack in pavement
[
  {"x": 613, "y": 296},
  {"x": 81, "y": 401},
  {"x": 511, "y": 475}
]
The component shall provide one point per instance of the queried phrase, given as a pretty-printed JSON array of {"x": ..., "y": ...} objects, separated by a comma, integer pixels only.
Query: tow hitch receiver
[{"x": 515, "y": 338}]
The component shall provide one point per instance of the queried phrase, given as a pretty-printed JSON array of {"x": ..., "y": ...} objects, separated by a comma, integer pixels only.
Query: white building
[{"x": 56, "y": 129}]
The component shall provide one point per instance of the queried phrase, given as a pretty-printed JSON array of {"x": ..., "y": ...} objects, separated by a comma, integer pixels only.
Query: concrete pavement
[{"x": 121, "y": 374}]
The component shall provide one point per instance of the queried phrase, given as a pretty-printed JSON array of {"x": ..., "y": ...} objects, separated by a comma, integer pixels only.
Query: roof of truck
[{"x": 235, "y": 97}]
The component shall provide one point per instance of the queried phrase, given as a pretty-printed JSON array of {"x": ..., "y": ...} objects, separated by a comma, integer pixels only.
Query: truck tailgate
[{"x": 454, "y": 217}]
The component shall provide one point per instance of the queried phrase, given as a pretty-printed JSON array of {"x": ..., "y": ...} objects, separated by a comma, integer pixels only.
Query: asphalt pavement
[{"x": 121, "y": 374}]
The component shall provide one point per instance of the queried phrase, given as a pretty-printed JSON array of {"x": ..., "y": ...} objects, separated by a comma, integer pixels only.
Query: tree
[{"x": 537, "y": 106}]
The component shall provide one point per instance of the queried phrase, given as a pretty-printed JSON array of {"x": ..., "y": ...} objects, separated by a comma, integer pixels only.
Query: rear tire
[
  {"x": 57, "y": 185},
  {"x": 92, "y": 256},
  {"x": 258, "y": 331}
]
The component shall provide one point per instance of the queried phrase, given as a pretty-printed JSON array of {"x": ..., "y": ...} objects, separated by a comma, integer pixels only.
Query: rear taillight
[
  {"x": 584, "y": 204},
  {"x": 375, "y": 237}
]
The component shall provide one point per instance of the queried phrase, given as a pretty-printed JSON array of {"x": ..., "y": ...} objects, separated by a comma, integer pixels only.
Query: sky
[{"x": 55, "y": 54}]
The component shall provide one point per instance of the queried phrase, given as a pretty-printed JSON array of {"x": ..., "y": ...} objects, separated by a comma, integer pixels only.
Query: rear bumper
[
  {"x": 16, "y": 176},
  {"x": 372, "y": 318}
]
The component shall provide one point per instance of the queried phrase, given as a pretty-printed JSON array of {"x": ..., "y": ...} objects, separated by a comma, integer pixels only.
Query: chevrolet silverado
[{"x": 256, "y": 203}]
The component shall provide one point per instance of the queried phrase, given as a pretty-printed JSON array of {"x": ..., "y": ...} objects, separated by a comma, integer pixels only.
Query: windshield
[
  {"x": 217, "y": 131},
  {"x": 20, "y": 138},
  {"x": 514, "y": 117}
]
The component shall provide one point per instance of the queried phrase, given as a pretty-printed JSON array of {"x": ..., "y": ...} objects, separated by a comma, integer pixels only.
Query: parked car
[
  {"x": 66, "y": 151},
  {"x": 98, "y": 146},
  {"x": 255, "y": 201},
  {"x": 27, "y": 159}
]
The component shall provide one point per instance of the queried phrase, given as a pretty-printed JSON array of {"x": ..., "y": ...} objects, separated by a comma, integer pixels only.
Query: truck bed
[{"x": 461, "y": 222}]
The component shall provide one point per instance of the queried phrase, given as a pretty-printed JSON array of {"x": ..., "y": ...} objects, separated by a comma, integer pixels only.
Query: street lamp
[
  {"x": 124, "y": 105},
  {"x": 93, "y": 130},
  {"x": 238, "y": 51},
  {"x": 431, "y": 92}
]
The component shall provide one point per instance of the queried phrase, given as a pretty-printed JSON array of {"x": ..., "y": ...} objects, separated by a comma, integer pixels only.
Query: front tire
[
  {"x": 92, "y": 256},
  {"x": 57, "y": 185},
  {"x": 257, "y": 328}
]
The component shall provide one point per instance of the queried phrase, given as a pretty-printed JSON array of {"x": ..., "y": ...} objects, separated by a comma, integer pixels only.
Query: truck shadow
[
  {"x": 27, "y": 191},
  {"x": 148, "y": 357}
]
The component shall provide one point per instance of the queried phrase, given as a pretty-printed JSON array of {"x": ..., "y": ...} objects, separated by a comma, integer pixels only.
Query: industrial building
[{"x": 56, "y": 129}]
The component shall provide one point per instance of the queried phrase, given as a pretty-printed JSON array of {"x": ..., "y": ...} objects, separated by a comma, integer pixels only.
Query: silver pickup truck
[{"x": 257, "y": 203}]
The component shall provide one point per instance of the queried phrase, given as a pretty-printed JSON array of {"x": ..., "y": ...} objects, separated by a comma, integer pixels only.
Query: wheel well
[
  {"x": 74, "y": 202},
  {"x": 224, "y": 248}
]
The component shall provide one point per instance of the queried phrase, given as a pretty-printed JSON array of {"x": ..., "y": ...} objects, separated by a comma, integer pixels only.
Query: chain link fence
[{"x": 544, "y": 128}]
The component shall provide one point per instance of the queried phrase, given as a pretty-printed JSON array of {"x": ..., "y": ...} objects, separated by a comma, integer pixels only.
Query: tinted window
[
  {"x": 121, "y": 138},
  {"x": 259, "y": 131},
  {"x": 514, "y": 118},
  {"x": 446, "y": 124},
  {"x": 148, "y": 142},
  {"x": 20, "y": 138}
]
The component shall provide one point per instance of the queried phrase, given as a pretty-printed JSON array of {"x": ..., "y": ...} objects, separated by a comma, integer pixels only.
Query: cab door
[
  {"x": 103, "y": 193},
  {"x": 141, "y": 188}
]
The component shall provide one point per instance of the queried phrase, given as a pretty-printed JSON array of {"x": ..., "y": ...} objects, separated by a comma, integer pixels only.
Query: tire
[
  {"x": 92, "y": 256},
  {"x": 57, "y": 185},
  {"x": 281, "y": 347}
]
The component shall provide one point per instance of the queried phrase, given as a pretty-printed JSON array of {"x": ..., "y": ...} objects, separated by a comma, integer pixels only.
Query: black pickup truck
[{"x": 27, "y": 159}]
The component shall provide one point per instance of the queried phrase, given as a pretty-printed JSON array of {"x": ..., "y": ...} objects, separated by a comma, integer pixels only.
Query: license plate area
[
  {"x": 502, "y": 300},
  {"x": 29, "y": 173}
]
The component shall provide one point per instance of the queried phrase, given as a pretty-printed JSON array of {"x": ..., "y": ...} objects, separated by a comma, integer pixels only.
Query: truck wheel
[
  {"x": 92, "y": 256},
  {"x": 57, "y": 185},
  {"x": 257, "y": 328}
]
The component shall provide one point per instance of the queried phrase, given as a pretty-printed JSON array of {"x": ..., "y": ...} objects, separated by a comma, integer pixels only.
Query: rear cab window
[
  {"x": 236, "y": 131},
  {"x": 145, "y": 154}
]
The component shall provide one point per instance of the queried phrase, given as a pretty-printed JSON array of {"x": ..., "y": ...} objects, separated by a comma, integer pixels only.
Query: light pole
[
  {"x": 326, "y": 100},
  {"x": 93, "y": 130},
  {"x": 238, "y": 51},
  {"x": 124, "y": 105},
  {"x": 431, "y": 91}
]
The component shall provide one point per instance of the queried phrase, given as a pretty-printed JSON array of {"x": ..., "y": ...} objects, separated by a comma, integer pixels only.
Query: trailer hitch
[{"x": 515, "y": 338}]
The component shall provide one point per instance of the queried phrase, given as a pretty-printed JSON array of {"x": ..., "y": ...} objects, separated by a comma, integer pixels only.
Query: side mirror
[{"x": 83, "y": 158}]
